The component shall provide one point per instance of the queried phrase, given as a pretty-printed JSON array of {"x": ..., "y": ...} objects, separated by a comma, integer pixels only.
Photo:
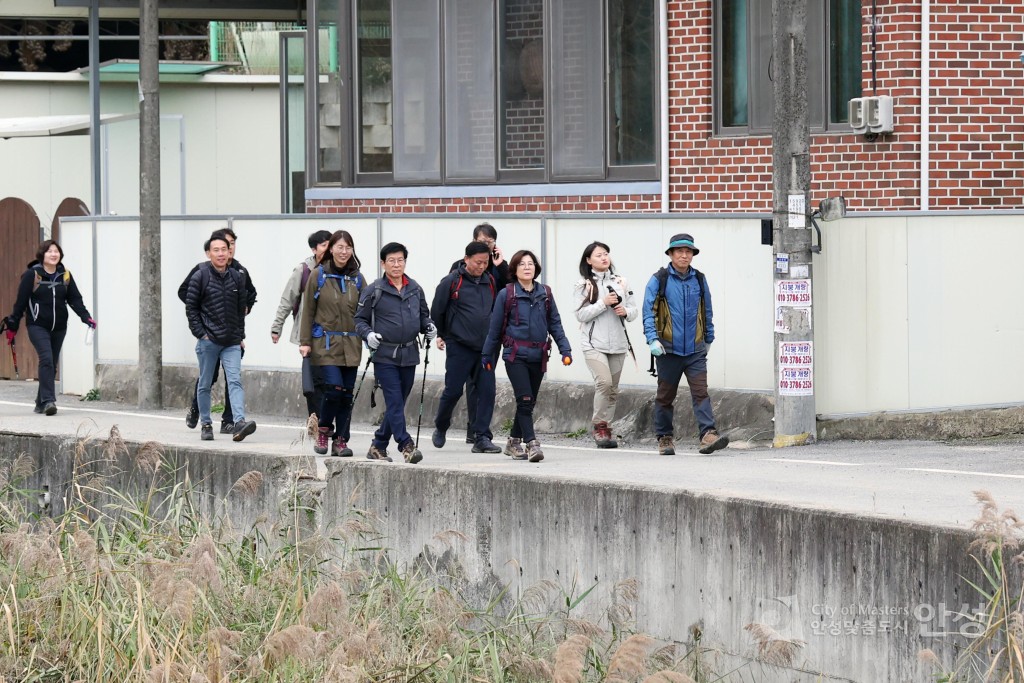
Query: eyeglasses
[
  {"x": 342, "y": 247},
  {"x": 486, "y": 240},
  {"x": 395, "y": 261}
]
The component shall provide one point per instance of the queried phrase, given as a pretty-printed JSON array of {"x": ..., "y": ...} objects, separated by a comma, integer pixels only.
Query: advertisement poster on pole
[
  {"x": 796, "y": 368},
  {"x": 794, "y": 294}
]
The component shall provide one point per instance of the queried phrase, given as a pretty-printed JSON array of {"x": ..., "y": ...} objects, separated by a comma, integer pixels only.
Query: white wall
[
  {"x": 911, "y": 312},
  {"x": 230, "y": 146}
]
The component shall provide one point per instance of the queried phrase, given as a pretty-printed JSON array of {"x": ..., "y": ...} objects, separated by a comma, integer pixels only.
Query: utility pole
[
  {"x": 150, "y": 317},
  {"x": 795, "y": 417}
]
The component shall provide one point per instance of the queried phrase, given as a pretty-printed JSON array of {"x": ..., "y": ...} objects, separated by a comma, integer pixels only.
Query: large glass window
[
  {"x": 461, "y": 91},
  {"x": 744, "y": 97}
]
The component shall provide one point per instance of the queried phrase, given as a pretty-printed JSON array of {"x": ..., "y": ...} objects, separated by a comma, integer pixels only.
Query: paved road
[{"x": 927, "y": 482}]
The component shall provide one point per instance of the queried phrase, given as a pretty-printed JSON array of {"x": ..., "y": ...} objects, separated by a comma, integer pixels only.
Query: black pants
[
  {"x": 525, "y": 378},
  {"x": 462, "y": 367},
  {"x": 227, "y": 417},
  {"x": 48, "y": 344}
]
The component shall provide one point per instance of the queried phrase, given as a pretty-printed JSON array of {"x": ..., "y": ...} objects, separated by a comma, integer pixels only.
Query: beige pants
[{"x": 606, "y": 369}]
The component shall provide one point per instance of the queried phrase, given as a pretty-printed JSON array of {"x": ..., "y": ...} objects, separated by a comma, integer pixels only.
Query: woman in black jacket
[{"x": 45, "y": 292}]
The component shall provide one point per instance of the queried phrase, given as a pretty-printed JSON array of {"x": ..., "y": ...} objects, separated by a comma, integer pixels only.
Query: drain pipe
[
  {"x": 663, "y": 7},
  {"x": 926, "y": 66}
]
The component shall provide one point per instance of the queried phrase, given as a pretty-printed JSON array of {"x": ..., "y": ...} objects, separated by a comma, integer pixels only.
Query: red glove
[
  {"x": 10, "y": 336},
  {"x": 91, "y": 323}
]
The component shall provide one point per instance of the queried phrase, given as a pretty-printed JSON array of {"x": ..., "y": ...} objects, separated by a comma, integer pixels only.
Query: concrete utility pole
[
  {"x": 795, "y": 422},
  {"x": 150, "y": 318}
]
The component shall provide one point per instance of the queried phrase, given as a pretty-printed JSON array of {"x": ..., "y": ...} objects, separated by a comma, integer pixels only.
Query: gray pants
[{"x": 606, "y": 369}]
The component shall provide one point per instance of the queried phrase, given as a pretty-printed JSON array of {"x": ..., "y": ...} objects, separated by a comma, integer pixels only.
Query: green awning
[{"x": 167, "y": 67}]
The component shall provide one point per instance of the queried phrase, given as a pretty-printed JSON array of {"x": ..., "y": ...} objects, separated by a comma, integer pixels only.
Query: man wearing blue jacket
[
  {"x": 679, "y": 328},
  {"x": 392, "y": 313}
]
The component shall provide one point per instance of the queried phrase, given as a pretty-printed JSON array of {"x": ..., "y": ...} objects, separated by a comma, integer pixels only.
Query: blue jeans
[
  {"x": 671, "y": 369},
  {"x": 396, "y": 384},
  {"x": 338, "y": 382},
  {"x": 230, "y": 358},
  {"x": 462, "y": 365},
  {"x": 47, "y": 344}
]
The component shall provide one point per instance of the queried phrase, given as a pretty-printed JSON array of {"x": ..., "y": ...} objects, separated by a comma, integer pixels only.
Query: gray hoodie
[{"x": 600, "y": 329}]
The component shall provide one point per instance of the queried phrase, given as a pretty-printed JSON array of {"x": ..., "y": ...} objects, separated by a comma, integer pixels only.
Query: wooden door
[{"x": 19, "y": 235}]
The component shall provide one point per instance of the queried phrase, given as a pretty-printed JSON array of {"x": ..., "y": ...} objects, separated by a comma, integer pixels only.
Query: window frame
[
  {"x": 345, "y": 17},
  {"x": 760, "y": 103}
]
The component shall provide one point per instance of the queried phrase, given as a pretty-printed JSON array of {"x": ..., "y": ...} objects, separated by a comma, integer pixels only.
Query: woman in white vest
[{"x": 604, "y": 302}]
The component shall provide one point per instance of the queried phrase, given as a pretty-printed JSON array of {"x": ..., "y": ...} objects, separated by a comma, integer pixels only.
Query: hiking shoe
[
  {"x": 243, "y": 428},
  {"x": 666, "y": 446},
  {"x": 485, "y": 445},
  {"x": 192, "y": 417},
  {"x": 533, "y": 451},
  {"x": 50, "y": 408},
  {"x": 227, "y": 427},
  {"x": 340, "y": 449},
  {"x": 411, "y": 453},
  {"x": 603, "y": 436},
  {"x": 320, "y": 447},
  {"x": 514, "y": 447},
  {"x": 470, "y": 436},
  {"x": 377, "y": 454},
  {"x": 437, "y": 438},
  {"x": 712, "y": 441},
  {"x": 38, "y": 409},
  {"x": 206, "y": 433}
]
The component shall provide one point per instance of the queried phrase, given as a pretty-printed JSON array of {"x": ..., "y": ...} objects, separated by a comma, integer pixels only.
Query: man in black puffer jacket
[
  {"x": 215, "y": 305},
  {"x": 227, "y": 425}
]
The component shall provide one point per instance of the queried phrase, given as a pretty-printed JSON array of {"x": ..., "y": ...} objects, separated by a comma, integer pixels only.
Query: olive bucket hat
[{"x": 682, "y": 240}]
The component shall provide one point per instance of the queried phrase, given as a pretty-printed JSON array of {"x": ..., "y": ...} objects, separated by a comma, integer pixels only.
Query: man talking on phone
[{"x": 497, "y": 268}]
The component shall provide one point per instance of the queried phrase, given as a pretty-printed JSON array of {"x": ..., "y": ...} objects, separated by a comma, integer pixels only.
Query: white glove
[
  {"x": 373, "y": 340},
  {"x": 431, "y": 332},
  {"x": 656, "y": 348}
]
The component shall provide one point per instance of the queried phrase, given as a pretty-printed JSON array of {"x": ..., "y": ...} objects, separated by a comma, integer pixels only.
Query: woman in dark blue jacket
[
  {"x": 523, "y": 318},
  {"x": 45, "y": 292}
]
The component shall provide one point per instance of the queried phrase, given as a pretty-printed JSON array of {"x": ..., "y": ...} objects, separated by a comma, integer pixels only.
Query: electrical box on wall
[
  {"x": 858, "y": 118},
  {"x": 879, "y": 114}
]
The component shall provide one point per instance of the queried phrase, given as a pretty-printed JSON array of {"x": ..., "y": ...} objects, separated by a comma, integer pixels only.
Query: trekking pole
[
  {"x": 423, "y": 390},
  {"x": 14, "y": 354},
  {"x": 360, "y": 385},
  {"x": 622, "y": 320}
]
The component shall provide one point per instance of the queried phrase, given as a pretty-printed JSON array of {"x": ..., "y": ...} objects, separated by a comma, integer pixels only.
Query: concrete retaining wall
[{"x": 704, "y": 563}]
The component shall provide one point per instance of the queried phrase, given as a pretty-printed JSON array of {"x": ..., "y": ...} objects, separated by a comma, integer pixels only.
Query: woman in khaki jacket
[{"x": 327, "y": 334}]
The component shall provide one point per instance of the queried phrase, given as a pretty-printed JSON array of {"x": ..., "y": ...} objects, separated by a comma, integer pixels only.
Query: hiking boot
[
  {"x": 192, "y": 417},
  {"x": 437, "y": 438},
  {"x": 603, "y": 436},
  {"x": 666, "y": 446},
  {"x": 377, "y": 454},
  {"x": 243, "y": 428},
  {"x": 320, "y": 447},
  {"x": 514, "y": 447},
  {"x": 533, "y": 451},
  {"x": 470, "y": 436},
  {"x": 712, "y": 441},
  {"x": 206, "y": 433},
  {"x": 227, "y": 427},
  {"x": 340, "y": 449},
  {"x": 411, "y": 454},
  {"x": 50, "y": 408},
  {"x": 485, "y": 445}
]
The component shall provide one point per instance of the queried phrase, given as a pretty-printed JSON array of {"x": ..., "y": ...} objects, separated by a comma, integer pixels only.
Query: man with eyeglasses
[
  {"x": 392, "y": 313},
  {"x": 497, "y": 268},
  {"x": 227, "y": 424}
]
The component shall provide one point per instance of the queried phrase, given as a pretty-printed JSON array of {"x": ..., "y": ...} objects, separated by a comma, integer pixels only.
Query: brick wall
[
  {"x": 523, "y": 137},
  {"x": 977, "y": 124}
]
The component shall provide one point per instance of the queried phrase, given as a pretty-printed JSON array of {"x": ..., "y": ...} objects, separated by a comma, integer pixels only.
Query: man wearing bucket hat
[{"x": 679, "y": 329}]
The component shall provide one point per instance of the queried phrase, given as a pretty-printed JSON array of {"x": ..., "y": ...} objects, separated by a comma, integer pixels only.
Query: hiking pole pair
[
  {"x": 14, "y": 353},
  {"x": 622, "y": 320},
  {"x": 423, "y": 389}
]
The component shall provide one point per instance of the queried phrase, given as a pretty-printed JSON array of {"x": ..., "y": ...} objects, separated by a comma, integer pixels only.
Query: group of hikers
[{"x": 337, "y": 315}]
